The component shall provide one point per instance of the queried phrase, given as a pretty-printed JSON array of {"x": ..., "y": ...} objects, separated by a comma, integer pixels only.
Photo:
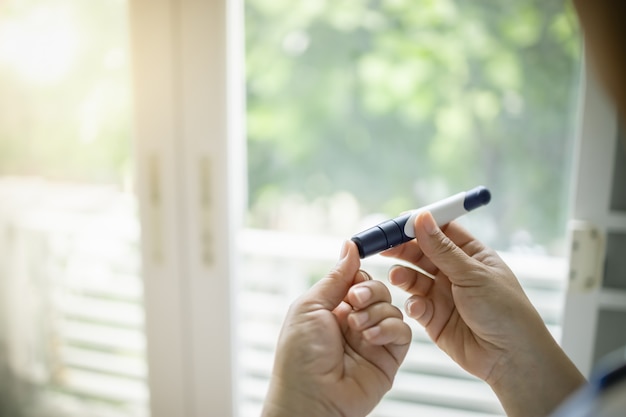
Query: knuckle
[
  {"x": 445, "y": 247},
  {"x": 396, "y": 312},
  {"x": 381, "y": 291},
  {"x": 334, "y": 273}
]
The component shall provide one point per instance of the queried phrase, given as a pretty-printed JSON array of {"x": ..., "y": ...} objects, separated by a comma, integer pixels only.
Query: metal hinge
[{"x": 586, "y": 256}]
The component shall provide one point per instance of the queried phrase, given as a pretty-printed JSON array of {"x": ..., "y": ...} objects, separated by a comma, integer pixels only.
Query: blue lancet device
[{"x": 396, "y": 231}]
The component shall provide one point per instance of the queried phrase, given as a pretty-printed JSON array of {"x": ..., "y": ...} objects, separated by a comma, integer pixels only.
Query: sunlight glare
[{"x": 40, "y": 47}]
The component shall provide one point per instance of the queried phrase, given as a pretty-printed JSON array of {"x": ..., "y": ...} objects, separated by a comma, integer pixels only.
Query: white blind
[
  {"x": 279, "y": 266},
  {"x": 73, "y": 323},
  {"x": 72, "y": 284}
]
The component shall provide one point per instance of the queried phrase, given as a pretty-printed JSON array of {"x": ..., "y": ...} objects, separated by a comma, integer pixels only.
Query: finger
[
  {"x": 332, "y": 289},
  {"x": 433, "y": 315},
  {"x": 390, "y": 331},
  {"x": 409, "y": 251},
  {"x": 413, "y": 253},
  {"x": 367, "y": 293},
  {"x": 372, "y": 315},
  {"x": 360, "y": 276},
  {"x": 342, "y": 312},
  {"x": 420, "y": 309},
  {"x": 410, "y": 280},
  {"x": 442, "y": 252}
]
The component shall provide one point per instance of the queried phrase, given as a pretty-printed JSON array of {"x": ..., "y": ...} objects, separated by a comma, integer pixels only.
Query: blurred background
[{"x": 355, "y": 112}]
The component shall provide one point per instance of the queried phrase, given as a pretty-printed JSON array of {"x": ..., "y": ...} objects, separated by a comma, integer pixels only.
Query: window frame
[
  {"x": 590, "y": 210},
  {"x": 189, "y": 186}
]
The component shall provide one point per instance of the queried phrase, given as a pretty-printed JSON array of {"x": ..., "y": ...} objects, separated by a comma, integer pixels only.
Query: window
[{"x": 357, "y": 111}]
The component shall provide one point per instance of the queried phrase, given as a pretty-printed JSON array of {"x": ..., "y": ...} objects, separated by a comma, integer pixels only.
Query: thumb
[
  {"x": 441, "y": 250},
  {"x": 333, "y": 288}
]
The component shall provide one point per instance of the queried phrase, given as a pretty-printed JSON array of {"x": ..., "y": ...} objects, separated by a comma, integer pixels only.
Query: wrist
[
  {"x": 532, "y": 381},
  {"x": 284, "y": 400}
]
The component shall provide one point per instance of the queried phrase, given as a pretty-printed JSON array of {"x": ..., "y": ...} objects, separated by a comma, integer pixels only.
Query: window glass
[
  {"x": 357, "y": 108},
  {"x": 71, "y": 317},
  {"x": 358, "y": 111}
]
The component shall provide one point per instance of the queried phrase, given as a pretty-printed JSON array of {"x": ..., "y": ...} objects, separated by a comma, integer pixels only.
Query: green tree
[{"x": 392, "y": 100}]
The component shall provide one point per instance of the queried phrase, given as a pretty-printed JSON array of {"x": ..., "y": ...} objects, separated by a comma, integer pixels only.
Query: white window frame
[
  {"x": 593, "y": 176},
  {"x": 190, "y": 171}
]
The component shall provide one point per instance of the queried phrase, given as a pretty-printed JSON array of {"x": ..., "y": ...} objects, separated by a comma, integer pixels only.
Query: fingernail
[
  {"x": 407, "y": 307},
  {"x": 414, "y": 308},
  {"x": 428, "y": 222},
  {"x": 393, "y": 278},
  {"x": 362, "y": 294}
]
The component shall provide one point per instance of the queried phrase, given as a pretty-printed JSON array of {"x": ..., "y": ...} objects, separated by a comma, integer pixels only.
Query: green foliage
[
  {"x": 396, "y": 102},
  {"x": 390, "y": 99}
]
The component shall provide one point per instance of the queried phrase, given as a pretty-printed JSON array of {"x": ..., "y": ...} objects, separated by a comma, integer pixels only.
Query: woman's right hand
[{"x": 476, "y": 311}]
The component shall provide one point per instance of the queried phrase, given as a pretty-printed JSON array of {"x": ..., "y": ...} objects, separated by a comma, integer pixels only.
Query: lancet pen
[{"x": 393, "y": 232}]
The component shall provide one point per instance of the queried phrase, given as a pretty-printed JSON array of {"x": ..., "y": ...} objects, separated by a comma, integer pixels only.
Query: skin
[{"x": 340, "y": 347}]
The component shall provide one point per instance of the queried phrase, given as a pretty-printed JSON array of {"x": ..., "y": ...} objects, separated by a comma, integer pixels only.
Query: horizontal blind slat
[
  {"x": 103, "y": 386},
  {"x": 104, "y": 362}
]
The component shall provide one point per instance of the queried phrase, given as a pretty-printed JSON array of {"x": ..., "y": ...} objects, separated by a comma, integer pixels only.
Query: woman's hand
[
  {"x": 476, "y": 311},
  {"x": 340, "y": 346}
]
